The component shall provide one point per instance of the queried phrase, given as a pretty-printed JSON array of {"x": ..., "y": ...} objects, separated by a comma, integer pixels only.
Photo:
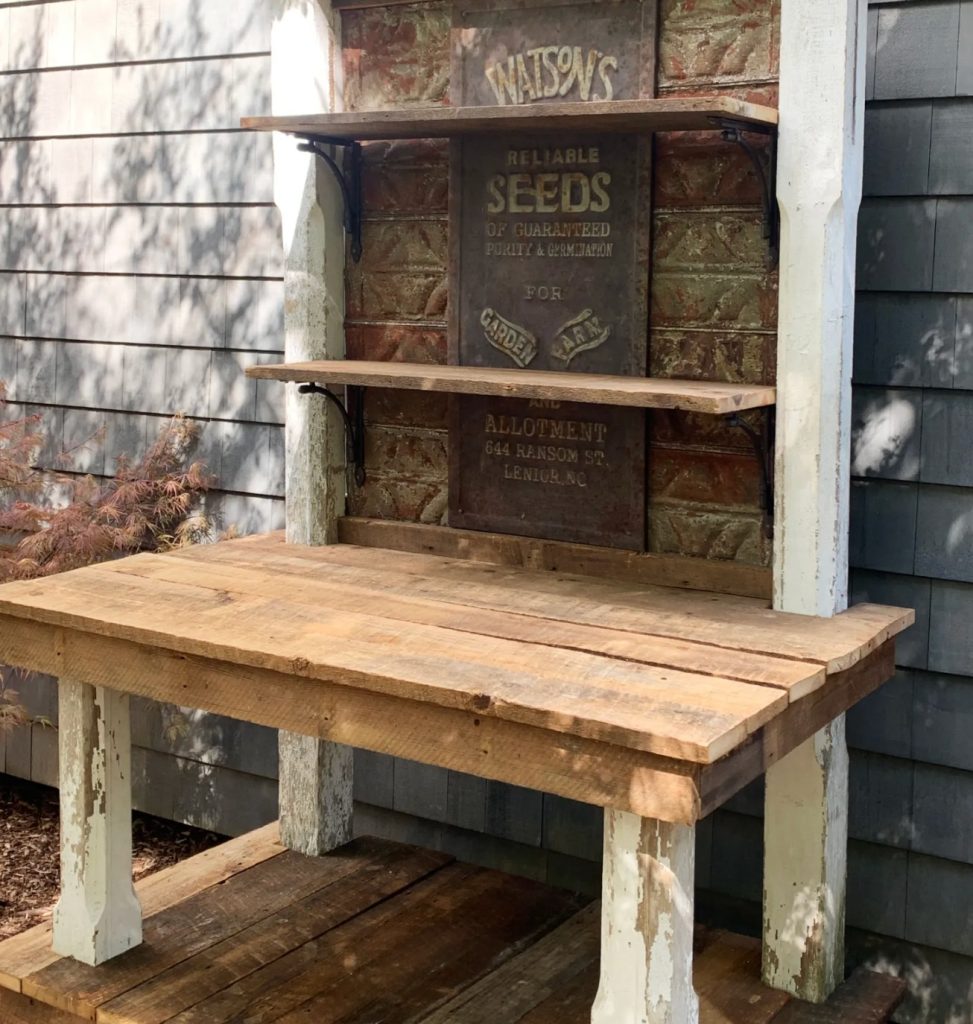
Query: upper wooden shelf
[
  {"x": 597, "y": 389},
  {"x": 616, "y": 116}
]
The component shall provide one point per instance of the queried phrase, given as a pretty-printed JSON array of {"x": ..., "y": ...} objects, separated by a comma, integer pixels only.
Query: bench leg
[
  {"x": 98, "y": 914},
  {"x": 315, "y": 794},
  {"x": 805, "y": 843},
  {"x": 315, "y": 774},
  {"x": 646, "y": 923}
]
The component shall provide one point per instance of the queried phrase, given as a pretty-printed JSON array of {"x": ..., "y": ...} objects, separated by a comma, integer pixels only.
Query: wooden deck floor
[{"x": 378, "y": 933}]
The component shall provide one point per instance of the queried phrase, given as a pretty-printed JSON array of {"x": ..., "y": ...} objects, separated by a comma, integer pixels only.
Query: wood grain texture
[
  {"x": 397, "y": 934},
  {"x": 30, "y": 951},
  {"x": 467, "y": 741},
  {"x": 721, "y": 577},
  {"x": 298, "y": 921},
  {"x": 597, "y": 773},
  {"x": 663, "y": 711},
  {"x": 396, "y": 603},
  {"x": 673, "y": 673},
  {"x": 186, "y": 930},
  {"x": 627, "y": 116},
  {"x": 599, "y": 389},
  {"x": 16, "y": 1009},
  {"x": 738, "y": 624}
]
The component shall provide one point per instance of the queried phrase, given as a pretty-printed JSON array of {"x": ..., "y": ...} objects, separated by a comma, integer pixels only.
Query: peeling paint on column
[
  {"x": 98, "y": 915},
  {"x": 647, "y": 923}
]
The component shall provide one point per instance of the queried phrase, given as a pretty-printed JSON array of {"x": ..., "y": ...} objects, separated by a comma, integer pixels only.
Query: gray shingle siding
[
  {"x": 911, "y": 856},
  {"x": 910, "y": 882}
]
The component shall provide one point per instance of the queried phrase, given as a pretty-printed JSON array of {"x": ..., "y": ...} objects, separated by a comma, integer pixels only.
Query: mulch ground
[{"x": 29, "y": 839}]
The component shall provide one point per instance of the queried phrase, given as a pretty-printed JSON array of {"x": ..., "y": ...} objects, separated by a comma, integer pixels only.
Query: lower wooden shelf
[
  {"x": 375, "y": 931},
  {"x": 713, "y": 397}
]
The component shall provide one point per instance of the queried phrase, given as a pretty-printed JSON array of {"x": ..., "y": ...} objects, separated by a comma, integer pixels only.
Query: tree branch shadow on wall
[{"x": 118, "y": 242}]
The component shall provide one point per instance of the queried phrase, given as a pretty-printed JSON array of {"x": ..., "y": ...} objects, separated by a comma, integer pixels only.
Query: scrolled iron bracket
[
  {"x": 354, "y": 422},
  {"x": 349, "y": 181},
  {"x": 762, "y": 442},
  {"x": 766, "y": 168}
]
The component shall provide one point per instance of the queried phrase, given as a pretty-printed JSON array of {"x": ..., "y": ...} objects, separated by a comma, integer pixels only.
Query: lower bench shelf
[{"x": 376, "y": 931}]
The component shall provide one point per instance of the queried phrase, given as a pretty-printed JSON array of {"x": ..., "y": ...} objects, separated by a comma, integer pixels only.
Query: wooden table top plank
[
  {"x": 660, "y": 711},
  {"x": 734, "y": 623},
  {"x": 600, "y": 117},
  {"x": 712, "y": 397},
  {"x": 798, "y": 678},
  {"x": 676, "y": 673},
  {"x": 537, "y": 757},
  {"x": 687, "y": 572}
]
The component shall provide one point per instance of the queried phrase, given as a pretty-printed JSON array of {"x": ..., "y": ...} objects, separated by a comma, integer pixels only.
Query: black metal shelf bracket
[
  {"x": 354, "y": 422},
  {"x": 762, "y": 442},
  {"x": 766, "y": 168},
  {"x": 348, "y": 178}
]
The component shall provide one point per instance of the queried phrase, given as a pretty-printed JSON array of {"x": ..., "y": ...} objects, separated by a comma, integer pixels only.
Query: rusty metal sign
[
  {"x": 551, "y": 255},
  {"x": 549, "y": 271},
  {"x": 532, "y": 51}
]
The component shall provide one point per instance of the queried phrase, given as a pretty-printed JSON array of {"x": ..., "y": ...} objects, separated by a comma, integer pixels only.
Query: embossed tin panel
[{"x": 549, "y": 242}]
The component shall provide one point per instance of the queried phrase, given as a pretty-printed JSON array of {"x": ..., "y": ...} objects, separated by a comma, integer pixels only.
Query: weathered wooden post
[
  {"x": 647, "y": 923},
  {"x": 819, "y": 188},
  {"x": 315, "y": 775},
  {"x": 98, "y": 914}
]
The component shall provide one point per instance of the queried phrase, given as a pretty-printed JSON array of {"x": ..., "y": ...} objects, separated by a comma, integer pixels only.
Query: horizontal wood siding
[
  {"x": 140, "y": 260},
  {"x": 140, "y": 274}
]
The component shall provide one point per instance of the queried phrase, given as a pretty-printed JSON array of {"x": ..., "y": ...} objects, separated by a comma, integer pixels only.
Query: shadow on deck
[{"x": 376, "y": 933}]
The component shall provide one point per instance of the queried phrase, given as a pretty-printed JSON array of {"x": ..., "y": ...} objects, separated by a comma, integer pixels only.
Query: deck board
[
  {"x": 30, "y": 951},
  {"x": 184, "y": 932},
  {"x": 398, "y": 935}
]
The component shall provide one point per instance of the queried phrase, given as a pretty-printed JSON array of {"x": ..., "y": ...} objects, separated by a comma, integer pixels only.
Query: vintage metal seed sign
[{"x": 549, "y": 271}]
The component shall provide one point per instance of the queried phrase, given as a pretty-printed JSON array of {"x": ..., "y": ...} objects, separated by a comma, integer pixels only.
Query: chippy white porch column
[
  {"x": 822, "y": 89},
  {"x": 315, "y": 775},
  {"x": 98, "y": 914},
  {"x": 646, "y": 923}
]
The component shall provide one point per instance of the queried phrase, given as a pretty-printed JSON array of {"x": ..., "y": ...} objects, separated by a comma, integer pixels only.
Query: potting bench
[{"x": 653, "y": 686}]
